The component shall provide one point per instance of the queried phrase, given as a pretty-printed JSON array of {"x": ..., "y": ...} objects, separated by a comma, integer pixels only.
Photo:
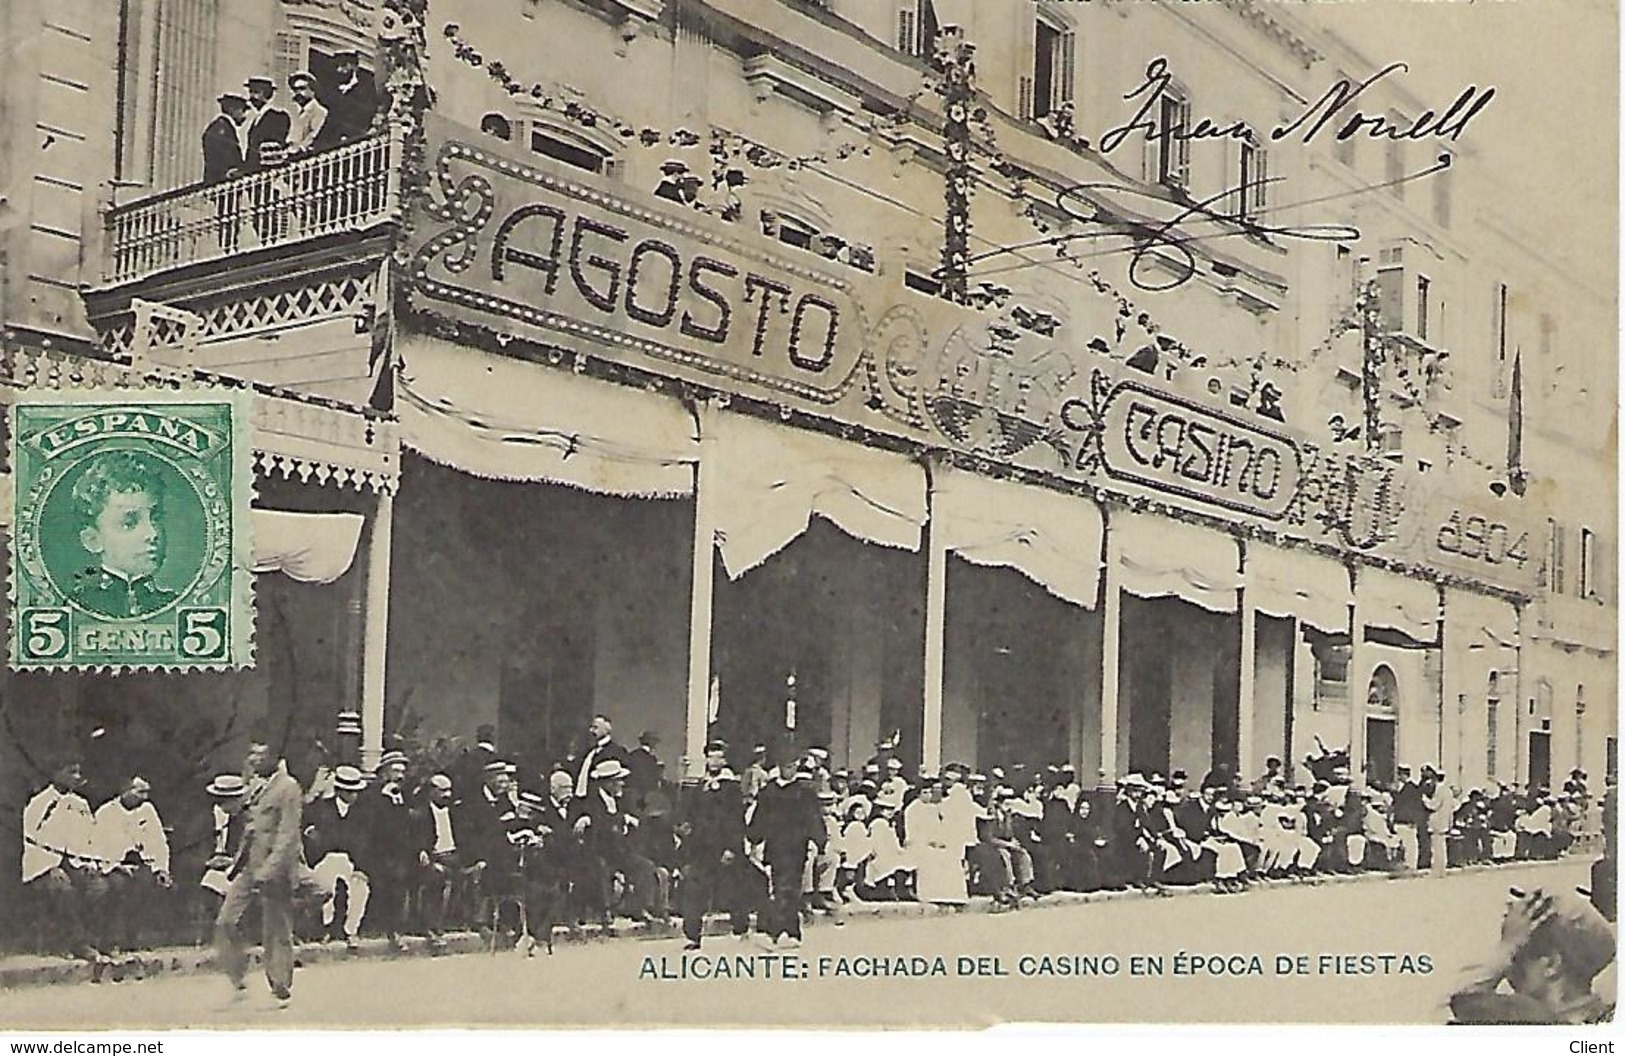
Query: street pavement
[{"x": 1375, "y": 951}]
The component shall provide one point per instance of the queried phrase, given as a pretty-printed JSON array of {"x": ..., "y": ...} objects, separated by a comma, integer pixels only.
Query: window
[
  {"x": 1394, "y": 164},
  {"x": 1441, "y": 196},
  {"x": 1555, "y": 557},
  {"x": 1492, "y": 722},
  {"x": 498, "y": 126},
  {"x": 1053, "y": 55},
  {"x": 1423, "y": 286},
  {"x": 1254, "y": 177},
  {"x": 1343, "y": 149},
  {"x": 1391, "y": 298},
  {"x": 917, "y": 28},
  {"x": 544, "y": 141},
  {"x": 1172, "y": 152},
  {"x": 1579, "y": 725},
  {"x": 1588, "y": 565}
]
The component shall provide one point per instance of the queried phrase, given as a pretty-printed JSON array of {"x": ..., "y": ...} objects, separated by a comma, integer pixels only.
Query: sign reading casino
[{"x": 535, "y": 251}]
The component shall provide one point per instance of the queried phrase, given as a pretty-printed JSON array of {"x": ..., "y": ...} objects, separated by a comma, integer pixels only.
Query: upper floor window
[
  {"x": 498, "y": 126},
  {"x": 1556, "y": 573},
  {"x": 1588, "y": 563},
  {"x": 576, "y": 151},
  {"x": 1254, "y": 178},
  {"x": 1171, "y": 152},
  {"x": 1394, "y": 164},
  {"x": 1424, "y": 290},
  {"x": 916, "y": 28},
  {"x": 1441, "y": 196},
  {"x": 1054, "y": 51}
]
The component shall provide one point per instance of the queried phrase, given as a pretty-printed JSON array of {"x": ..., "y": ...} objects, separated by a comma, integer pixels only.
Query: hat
[
  {"x": 827, "y": 796},
  {"x": 346, "y": 56},
  {"x": 259, "y": 78},
  {"x": 228, "y": 785},
  {"x": 672, "y": 166},
  {"x": 231, "y": 94},
  {"x": 532, "y": 799},
  {"x": 716, "y": 744},
  {"x": 495, "y": 766},
  {"x": 894, "y": 763},
  {"x": 393, "y": 757},
  {"x": 649, "y": 737},
  {"x": 820, "y": 753},
  {"x": 609, "y": 770},
  {"x": 301, "y": 75},
  {"x": 760, "y": 749},
  {"x": 510, "y": 768},
  {"x": 348, "y": 779},
  {"x": 440, "y": 781}
]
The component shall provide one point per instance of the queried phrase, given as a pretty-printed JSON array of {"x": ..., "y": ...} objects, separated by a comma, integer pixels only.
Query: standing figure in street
[
  {"x": 389, "y": 856},
  {"x": 786, "y": 822},
  {"x": 1440, "y": 800},
  {"x": 266, "y": 871},
  {"x": 713, "y": 848},
  {"x": 1409, "y": 816},
  {"x": 60, "y": 860},
  {"x": 934, "y": 841}
]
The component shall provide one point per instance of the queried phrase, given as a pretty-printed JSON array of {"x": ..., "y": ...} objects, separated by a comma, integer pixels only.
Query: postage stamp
[{"x": 130, "y": 542}]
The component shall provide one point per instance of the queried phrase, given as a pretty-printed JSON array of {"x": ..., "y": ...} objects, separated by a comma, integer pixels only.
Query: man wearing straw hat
[
  {"x": 218, "y": 843},
  {"x": 337, "y": 841},
  {"x": 389, "y": 854}
]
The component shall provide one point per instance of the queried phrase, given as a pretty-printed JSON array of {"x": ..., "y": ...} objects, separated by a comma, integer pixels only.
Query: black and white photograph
[{"x": 808, "y": 514}]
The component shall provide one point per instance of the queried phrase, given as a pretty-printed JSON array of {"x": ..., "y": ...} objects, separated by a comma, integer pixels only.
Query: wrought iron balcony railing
[{"x": 345, "y": 190}]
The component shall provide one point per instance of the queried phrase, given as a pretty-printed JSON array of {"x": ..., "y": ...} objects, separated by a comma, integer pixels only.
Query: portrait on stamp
[{"x": 130, "y": 517}]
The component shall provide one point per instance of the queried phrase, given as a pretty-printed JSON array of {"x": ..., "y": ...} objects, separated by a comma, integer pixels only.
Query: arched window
[
  {"x": 1383, "y": 693},
  {"x": 494, "y": 124}
]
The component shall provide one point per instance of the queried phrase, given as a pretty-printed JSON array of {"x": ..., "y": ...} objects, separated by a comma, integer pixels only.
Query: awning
[
  {"x": 1052, "y": 539},
  {"x": 1399, "y": 603},
  {"x": 1475, "y": 621},
  {"x": 1159, "y": 558},
  {"x": 309, "y": 547},
  {"x": 1297, "y": 583},
  {"x": 767, "y": 480},
  {"x": 506, "y": 419}
]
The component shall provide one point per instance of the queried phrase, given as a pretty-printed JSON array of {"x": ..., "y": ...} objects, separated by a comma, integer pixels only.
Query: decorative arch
[{"x": 1382, "y": 692}]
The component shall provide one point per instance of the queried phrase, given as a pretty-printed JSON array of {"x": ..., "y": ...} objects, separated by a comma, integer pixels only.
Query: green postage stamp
[{"x": 130, "y": 539}]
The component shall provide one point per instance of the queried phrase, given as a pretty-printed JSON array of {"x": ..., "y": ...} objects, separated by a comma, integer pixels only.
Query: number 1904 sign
[{"x": 129, "y": 543}]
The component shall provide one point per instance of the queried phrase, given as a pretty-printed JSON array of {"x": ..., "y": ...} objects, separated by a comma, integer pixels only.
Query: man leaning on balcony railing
[{"x": 268, "y": 128}]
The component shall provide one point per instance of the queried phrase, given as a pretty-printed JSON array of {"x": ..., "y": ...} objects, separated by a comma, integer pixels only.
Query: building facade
[{"x": 985, "y": 378}]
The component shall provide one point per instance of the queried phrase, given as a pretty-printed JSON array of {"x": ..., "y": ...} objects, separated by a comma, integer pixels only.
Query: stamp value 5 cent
[{"x": 130, "y": 543}]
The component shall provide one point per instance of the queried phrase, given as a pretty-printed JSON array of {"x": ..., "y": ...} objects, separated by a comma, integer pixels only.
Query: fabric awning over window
[
  {"x": 1052, "y": 539},
  {"x": 1399, "y": 603},
  {"x": 1297, "y": 583},
  {"x": 1478, "y": 621},
  {"x": 767, "y": 480},
  {"x": 308, "y": 547},
  {"x": 1160, "y": 558},
  {"x": 505, "y": 419}
]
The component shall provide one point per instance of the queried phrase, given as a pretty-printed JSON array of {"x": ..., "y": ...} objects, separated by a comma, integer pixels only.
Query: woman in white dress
[{"x": 936, "y": 847}]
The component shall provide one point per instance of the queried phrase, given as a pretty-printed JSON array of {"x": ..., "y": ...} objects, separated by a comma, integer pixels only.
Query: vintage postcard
[{"x": 808, "y": 513}]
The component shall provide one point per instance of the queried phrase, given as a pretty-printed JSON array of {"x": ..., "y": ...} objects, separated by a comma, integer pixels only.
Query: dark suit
[
  {"x": 349, "y": 113},
  {"x": 786, "y": 820},
  {"x": 268, "y": 868},
  {"x": 714, "y": 811},
  {"x": 269, "y": 127},
  {"x": 105, "y": 594},
  {"x": 388, "y": 856},
  {"x": 222, "y": 150},
  {"x": 607, "y": 845},
  {"x": 442, "y": 876}
]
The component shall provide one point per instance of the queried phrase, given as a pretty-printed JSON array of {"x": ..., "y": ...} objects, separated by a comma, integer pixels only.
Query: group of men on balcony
[{"x": 252, "y": 133}]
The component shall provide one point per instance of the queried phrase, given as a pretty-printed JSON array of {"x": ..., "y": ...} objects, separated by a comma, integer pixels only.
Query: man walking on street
[
  {"x": 714, "y": 848},
  {"x": 786, "y": 821},
  {"x": 267, "y": 870}
]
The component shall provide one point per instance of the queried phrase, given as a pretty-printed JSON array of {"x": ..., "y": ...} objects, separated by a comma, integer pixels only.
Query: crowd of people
[{"x": 422, "y": 846}]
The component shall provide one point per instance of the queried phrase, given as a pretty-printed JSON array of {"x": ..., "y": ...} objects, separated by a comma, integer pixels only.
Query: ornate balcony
[{"x": 343, "y": 191}]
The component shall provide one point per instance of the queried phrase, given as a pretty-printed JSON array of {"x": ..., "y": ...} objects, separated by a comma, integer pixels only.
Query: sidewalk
[{"x": 32, "y": 970}]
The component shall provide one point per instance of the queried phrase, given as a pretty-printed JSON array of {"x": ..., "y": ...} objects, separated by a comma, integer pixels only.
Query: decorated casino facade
[{"x": 811, "y": 371}]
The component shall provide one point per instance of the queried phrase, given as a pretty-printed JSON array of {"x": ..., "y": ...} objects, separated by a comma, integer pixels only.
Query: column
[
  {"x": 936, "y": 605},
  {"x": 696, "y": 723},
  {"x": 376, "y": 631},
  {"x": 1358, "y": 677},
  {"x": 1249, "y": 673},
  {"x": 1111, "y": 630}
]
